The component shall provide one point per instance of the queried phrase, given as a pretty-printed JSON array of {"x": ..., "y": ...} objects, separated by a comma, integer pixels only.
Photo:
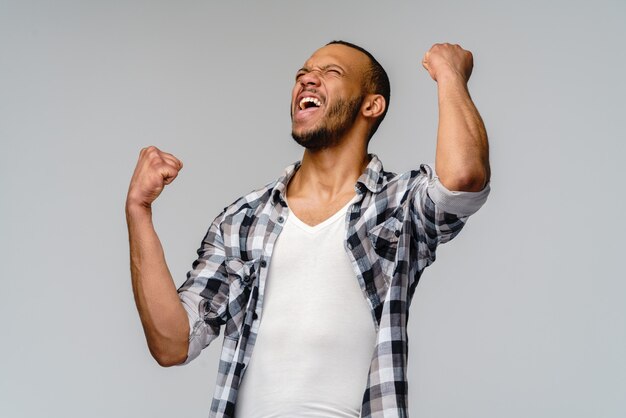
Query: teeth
[{"x": 313, "y": 100}]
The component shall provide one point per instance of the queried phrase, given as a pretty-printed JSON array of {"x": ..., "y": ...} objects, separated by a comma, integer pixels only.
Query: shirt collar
[{"x": 371, "y": 179}]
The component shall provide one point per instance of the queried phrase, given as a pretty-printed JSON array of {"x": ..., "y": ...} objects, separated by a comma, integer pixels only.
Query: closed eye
[{"x": 333, "y": 70}]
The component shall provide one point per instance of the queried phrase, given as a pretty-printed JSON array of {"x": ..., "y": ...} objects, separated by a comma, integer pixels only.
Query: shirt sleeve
[
  {"x": 204, "y": 294},
  {"x": 458, "y": 203},
  {"x": 439, "y": 214}
]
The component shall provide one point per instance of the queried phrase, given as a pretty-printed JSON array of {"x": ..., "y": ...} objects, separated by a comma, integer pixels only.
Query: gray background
[{"x": 522, "y": 315}]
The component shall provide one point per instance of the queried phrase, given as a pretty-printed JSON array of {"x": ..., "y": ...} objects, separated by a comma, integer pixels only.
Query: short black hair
[{"x": 376, "y": 81}]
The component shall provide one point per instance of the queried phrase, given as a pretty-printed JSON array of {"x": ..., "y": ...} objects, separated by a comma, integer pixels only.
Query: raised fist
[
  {"x": 444, "y": 60},
  {"x": 155, "y": 169}
]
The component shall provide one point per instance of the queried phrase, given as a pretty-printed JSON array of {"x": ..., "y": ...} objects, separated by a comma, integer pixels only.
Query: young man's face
[{"x": 327, "y": 96}]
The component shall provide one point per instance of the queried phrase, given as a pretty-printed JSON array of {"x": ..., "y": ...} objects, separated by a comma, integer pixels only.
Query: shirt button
[
  {"x": 397, "y": 233},
  {"x": 263, "y": 263},
  {"x": 246, "y": 279},
  {"x": 280, "y": 219}
]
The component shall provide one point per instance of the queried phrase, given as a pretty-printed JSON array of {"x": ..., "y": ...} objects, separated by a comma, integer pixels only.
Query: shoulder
[
  {"x": 259, "y": 199},
  {"x": 424, "y": 172},
  {"x": 397, "y": 181},
  {"x": 407, "y": 181},
  {"x": 251, "y": 201},
  {"x": 399, "y": 189}
]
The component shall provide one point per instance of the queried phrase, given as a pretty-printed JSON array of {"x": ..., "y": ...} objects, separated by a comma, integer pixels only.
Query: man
[{"x": 316, "y": 270}]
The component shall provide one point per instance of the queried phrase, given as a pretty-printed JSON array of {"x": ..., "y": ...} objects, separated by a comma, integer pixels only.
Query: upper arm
[
  {"x": 204, "y": 294},
  {"x": 439, "y": 214}
]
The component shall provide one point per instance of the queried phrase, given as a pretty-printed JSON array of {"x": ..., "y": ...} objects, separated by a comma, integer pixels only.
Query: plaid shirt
[{"x": 393, "y": 229}]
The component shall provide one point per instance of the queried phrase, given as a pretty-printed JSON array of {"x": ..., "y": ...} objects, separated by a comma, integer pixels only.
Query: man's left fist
[{"x": 448, "y": 60}]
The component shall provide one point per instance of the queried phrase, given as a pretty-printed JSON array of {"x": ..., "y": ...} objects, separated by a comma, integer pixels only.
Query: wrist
[
  {"x": 450, "y": 77},
  {"x": 451, "y": 86},
  {"x": 137, "y": 209}
]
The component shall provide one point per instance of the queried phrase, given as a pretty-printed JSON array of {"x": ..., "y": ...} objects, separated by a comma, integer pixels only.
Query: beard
[{"x": 340, "y": 118}]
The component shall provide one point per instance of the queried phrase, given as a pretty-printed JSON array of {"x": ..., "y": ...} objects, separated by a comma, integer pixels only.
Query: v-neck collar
[{"x": 315, "y": 228}]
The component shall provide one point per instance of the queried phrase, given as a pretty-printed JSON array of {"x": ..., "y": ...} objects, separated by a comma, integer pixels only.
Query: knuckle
[{"x": 149, "y": 152}]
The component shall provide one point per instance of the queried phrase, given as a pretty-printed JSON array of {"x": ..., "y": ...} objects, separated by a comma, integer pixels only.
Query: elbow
[
  {"x": 470, "y": 181},
  {"x": 169, "y": 358}
]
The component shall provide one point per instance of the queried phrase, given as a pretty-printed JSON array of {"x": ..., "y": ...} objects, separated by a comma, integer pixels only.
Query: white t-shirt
[{"x": 316, "y": 336}]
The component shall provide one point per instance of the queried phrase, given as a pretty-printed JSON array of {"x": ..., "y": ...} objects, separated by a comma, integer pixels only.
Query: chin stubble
[{"x": 340, "y": 118}]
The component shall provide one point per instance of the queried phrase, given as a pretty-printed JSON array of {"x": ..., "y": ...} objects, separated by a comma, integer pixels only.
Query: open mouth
[{"x": 309, "y": 102}]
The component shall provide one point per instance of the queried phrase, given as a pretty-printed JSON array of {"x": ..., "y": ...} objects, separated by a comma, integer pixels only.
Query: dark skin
[
  {"x": 323, "y": 184},
  {"x": 325, "y": 180}
]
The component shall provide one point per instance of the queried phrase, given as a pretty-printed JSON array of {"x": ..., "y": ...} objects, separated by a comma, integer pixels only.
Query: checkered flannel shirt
[{"x": 393, "y": 229}]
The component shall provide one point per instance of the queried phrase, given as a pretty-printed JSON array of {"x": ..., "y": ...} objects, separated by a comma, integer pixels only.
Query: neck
[{"x": 329, "y": 173}]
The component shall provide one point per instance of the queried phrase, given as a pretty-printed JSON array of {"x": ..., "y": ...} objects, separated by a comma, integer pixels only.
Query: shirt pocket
[
  {"x": 384, "y": 238},
  {"x": 242, "y": 276}
]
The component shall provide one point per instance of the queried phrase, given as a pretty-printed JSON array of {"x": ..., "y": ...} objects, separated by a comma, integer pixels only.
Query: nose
[{"x": 310, "y": 79}]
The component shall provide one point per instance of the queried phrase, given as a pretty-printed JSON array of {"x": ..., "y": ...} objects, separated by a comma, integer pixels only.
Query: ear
[{"x": 373, "y": 106}]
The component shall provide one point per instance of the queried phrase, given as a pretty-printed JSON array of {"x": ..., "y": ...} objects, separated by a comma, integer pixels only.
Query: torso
[
  {"x": 311, "y": 211},
  {"x": 316, "y": 336}
]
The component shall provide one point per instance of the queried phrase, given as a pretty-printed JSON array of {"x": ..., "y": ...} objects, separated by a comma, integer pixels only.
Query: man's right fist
[{"x": 155, "y": 169}]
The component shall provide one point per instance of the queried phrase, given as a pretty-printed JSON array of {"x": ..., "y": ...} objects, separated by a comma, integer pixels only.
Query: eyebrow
[{"x": 325, "y": 67}]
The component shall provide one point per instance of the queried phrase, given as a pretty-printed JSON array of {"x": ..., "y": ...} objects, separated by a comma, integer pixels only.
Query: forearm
[
  {"x": 462, "y": 160},
  {"x": 162, "y": 315}
]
